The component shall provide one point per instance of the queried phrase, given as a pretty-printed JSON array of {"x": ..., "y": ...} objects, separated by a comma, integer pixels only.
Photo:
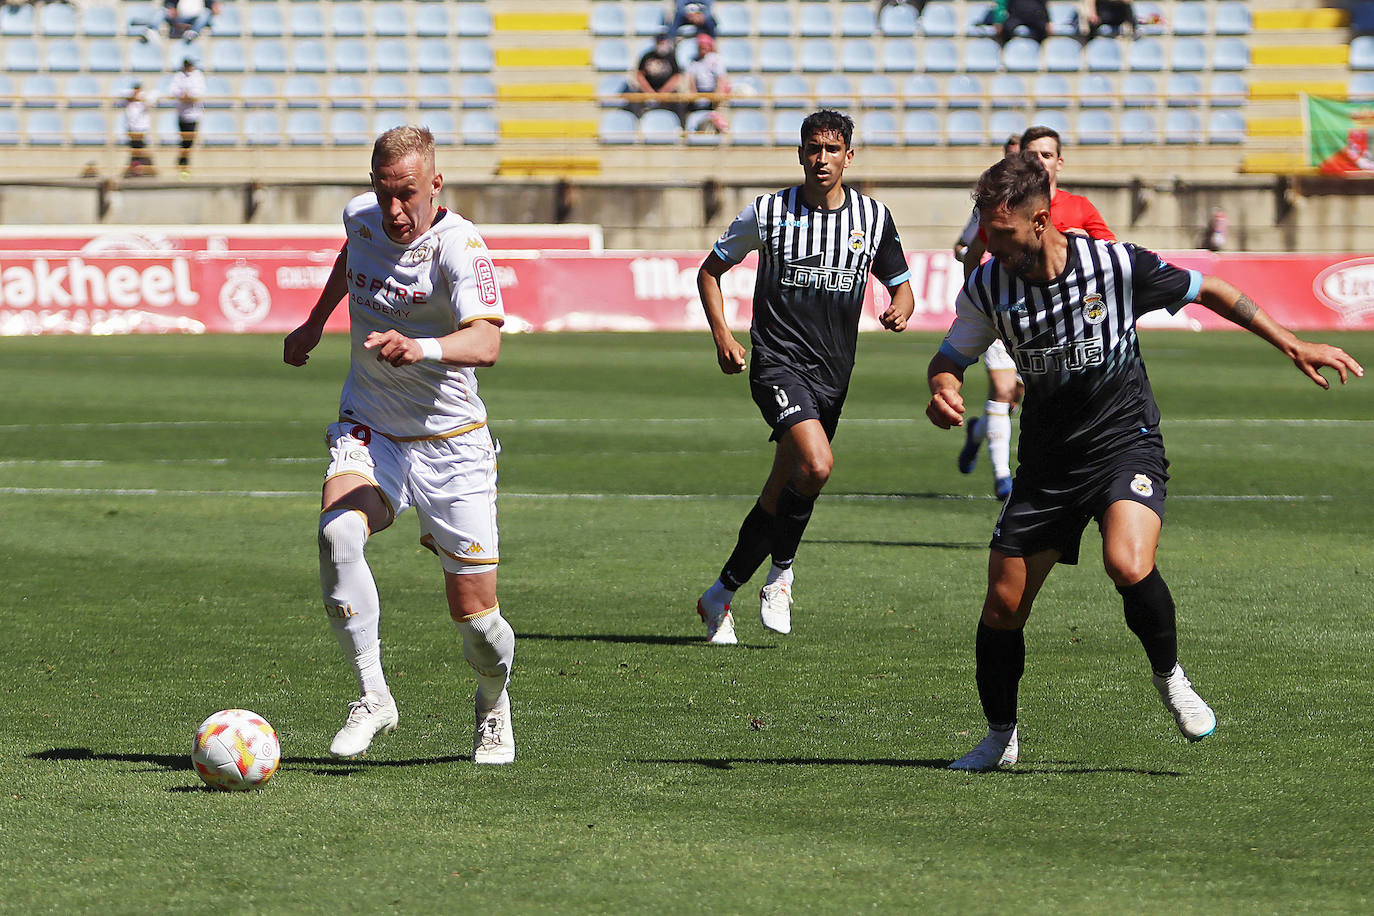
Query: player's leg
[
  {"x": 792, "y": 489},
  {"x": 1003, "y": 386},
  {"x": 489, "y": 647},
  {"x": 1130, "y": 539},
  {"x": 1000, "y": 653}
]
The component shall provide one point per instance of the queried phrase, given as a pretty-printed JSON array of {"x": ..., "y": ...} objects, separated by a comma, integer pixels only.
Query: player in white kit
[{"x": 424, "y": 309}]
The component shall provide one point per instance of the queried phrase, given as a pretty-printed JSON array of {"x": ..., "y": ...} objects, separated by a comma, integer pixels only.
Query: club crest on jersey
[
  {"x": 856, "y": 240},
  {"x": 420, "y": 255},
  {"x": 1142, "y": 485},
  {"x": 1094, "y": 309}
]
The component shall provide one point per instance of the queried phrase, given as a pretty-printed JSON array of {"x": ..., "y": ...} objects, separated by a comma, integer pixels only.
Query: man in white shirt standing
[
  {"x": 425, "y": 309},
  {"x": 188, "y": 88}
]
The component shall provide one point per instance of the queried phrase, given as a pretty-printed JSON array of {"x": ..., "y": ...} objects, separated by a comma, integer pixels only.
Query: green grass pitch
[{"x": 159, "y": 498}]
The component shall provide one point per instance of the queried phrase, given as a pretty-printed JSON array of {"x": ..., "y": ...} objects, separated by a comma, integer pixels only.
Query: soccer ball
[{"x": 235, "y": 750}]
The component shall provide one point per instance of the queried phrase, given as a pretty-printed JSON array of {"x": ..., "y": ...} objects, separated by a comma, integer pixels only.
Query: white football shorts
[
  {"x": 997, "y": 357},
  {"x": 450, "y": 482}
]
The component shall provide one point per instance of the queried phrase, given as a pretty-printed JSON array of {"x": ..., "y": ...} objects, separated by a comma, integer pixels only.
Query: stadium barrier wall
[{"x": 241, "y": 279}]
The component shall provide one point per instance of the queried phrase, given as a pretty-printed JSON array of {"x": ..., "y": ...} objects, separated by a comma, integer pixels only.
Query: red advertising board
[{"x": 97, "y": 281}]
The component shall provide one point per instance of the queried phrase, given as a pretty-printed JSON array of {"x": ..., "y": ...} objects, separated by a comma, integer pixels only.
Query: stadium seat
[
  {"x": 1007, "y": 90},
  {"x": 1096, "y": 91},
  {"x": 899, "y": 56},
  {"x": 268, "y": 56},
  {"x": 1102, "y": 54},
  {"x": 858, "y": 21},
  {"x": 350, "y": 56},
  {"x": 1057, "y": 121},
  {"x": 17, "y": 20},
  {"x": 262, "y": 128},
  {"x": 607, "y": 20},
  {"x": 347, "y": 20},
  {"x": 897, "y": 21},
  {"x": 1095, "y": 127},
  {"x": 1189, "y": 18},
  {"x": 1225, "y": 126},
  {"x": 217, "y": 128},
  {"x": 965, "y": 128},
  {"x": 660, "y": 127},
  {"x": 982, "y": 55},
  {"x": 1146, "y": 55},
  {"x": 1051, "y": 90},
  {"x": 1187, "y": 55},
  {"x": 1232, "y": 18},
  {"x": 748, "y": 127},
  {"x": 920, "y": 91},
  {"x": 648, "y": 19},
  {"x": 963, "y": 90},
  {"x": 877, "y": 90},
  {"x": 1064, "y": 18},
  {"x": 44, "y": 128},
  {"x": 1021, "y": 55},
  {"x": 939, "y": 20},
  {"x": 83, "y": 90},
  {"x": 265, "y": 21},
  {"x": 1139, "y": 127},
  {"x": 433, "y": 56},
  {"x": 699, "y": 129},
  {"x": 817, "y": 55},
  {"x": 434, "y": 90},
  {"x": 391, "y": 55},
  {"x": 226, "y": 56},
  {"x": 746, "y": 91},
  {"x": 773, "y": 22},
  {"x": 57, "y": 20},
  {"x": 1231, "y": 54},
  {"x": 349, "y": 128},
  {"x": 228, "y": 22},
  {"x": 146, "y": 58},
  {"x": 259, "y": 91},
  {"x": 475, "y": 56},
  {"x": 219, "y": 91},
  {"x": 391, "y": 90},
  {"x": 786, "y": 127},
  {"x": 1002, "y": 124},
  {"x": 345, "y": 91},
  {"x": 7, "y": 93},
  {"x": 617, "y": 127},
  {"x": 738, "y": 56},
  {"x": 833, "y": 90},
  {"x": 609, "y": 56},
  {"x": 1183, "y": 90},
  {"x": 1361, "y": 87},
  {"x": 1138, "y": 90},
  {"x": 858, "y": 56},
  {"x": 22, "y": 55},
  {"x": 1228, "y": 90},
  {"x": 814, "y": 21},
  {"x": 436, "y": 121},
  {"x": 89, "y": 128},
  {"x": 10, "y": 132},
  {"x": 387, "y": 19},
  {"x": 306, "y": 20},
  {"x": 62, "y": 56},
  {"x": 1182, "y": 127},
  {"x": 476, "y": 90},
  {"x": 39, "y": 90},
  {"x": 99, "y": 21},
  {"x": 877, "y": 128},
  {"x": 305, "y": 128},
  {"x": 1062, "y": 54},
  {"x": 103, "y": 56},
  {"x": 473, "y": 21},
  {"x": 302, "y": 90},
  {"x": 309, "y": 56},
  {"x": 1362, "y": 53},
  {"x": 941, "y": 56},
  {"x": 775, "y": 56},
  {"x": 791, "y": 91},
  {"x": 732, "y": 20},
  {"x": 431, "y": 21},
  {"x": 920, "y": 128}
]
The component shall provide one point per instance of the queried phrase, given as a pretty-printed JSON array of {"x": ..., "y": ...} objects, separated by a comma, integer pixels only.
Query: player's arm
[
  {"x": 476, "y": 344},
  {"x": 729, "y": 351},
  {"x": 946, "y": 378},
  {"x": 1233, "y": 305},
  {"x": 299, "y": 343},
  {"x": 1094, "y": 225},
  {"x": 969, "y": 335},
  {"x": 900, "y": 308}
]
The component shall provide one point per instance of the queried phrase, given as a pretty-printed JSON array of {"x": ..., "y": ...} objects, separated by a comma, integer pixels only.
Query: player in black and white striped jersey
[
  {"x": 817, "y": 243},
  {"x": 1090, "y": 445}
]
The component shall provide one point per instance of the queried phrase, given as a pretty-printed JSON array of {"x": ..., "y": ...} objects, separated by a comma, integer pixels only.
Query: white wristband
[{"x": 429, "y": 346}]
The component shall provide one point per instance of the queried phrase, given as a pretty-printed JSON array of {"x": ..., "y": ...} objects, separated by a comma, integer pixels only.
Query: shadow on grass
[
  {"x": 647, "y": 640},
  {"x": 938, "y": 545},
  {"x": 1050, "y": 767}
]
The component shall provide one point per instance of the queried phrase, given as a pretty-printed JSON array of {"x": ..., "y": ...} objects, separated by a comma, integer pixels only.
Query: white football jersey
[{"x": 437, "y": 284}]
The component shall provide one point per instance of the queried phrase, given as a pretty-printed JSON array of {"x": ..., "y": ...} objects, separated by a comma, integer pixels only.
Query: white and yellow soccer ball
[{"x": 235, "y": 750}]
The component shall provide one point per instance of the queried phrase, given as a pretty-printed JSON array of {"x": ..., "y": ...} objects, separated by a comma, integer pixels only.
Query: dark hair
[
  {"x": 1039, "y": 130},
  {"x": 828, "y": 121},
  {"x": 1013, "y": 140},
  {"x": 1012, "y": 182}
]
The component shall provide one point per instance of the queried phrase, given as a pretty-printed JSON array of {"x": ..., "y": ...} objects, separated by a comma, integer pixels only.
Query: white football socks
[
  {"x": 776, "y": 572},
  {"x": 350, "y": 596},
  {"x": 719, "y": 594},
  {"x": 997, "y": 429},
  {"x": 489, "y": 647}
]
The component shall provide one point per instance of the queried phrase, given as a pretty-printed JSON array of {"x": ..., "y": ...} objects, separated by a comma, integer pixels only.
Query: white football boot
[
  {"x": 1194, "y": 717},
  {"x": 720, "y": 623},
  {"x": 775, "y": 606},
  {"x": 493, "y": 740},
  {"x": 998, "y": 751},
  {"x": 368, "y": 716}
]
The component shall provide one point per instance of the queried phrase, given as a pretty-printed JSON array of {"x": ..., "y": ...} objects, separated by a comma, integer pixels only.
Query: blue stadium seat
[
  {"x": 699, "y": 130},
  {"x": 939, "y": 20},
  {"x": 877, "y": 90},
  {"x": 1138, "y": 90},
  {"x": 302, "y": 91},
  {"x": 226, "y": 56},
  {"x": 268, "y": 56},
  {"x": 773, "y": 22},
  {"x": 965, "y": 128},
  {"x": 62, "y": 56},
  {"x": 167, "y": 132},
  {"x": 391, "y": 90},
  {"x": 262, "y": 128},
  {"x": 815, "y": 22},
  {"x": 146, "y": 58},
  {"x": 228, "y": 22},
  {"x": 738, "y": 56},
  {"x": 84, "y": 91},
  {"x": 436, "y": 121},
  {"x": 746, "y": 91},
  {"x": 899, "y": 56},
  {"x": 309, "y": 56},
  {"x": 660, "y": 127},
  {"x": 1021, "y": 55},
  {"x": 878, "y": 128},
  {"x": 607, "y": 20},
  {"x": 305, "y": 128},
  {"x": 858, "y": 56},
  {"x": 219, "y": 92},
  {"x": 44, "y": 128},
  {"x": 1095, "y": 127},
  {"x": 431, "y": 21},
  {"x": 347, "y": 20},
  {"x": 1002, "y": 124},
  {"x": 391, "y": 56},
  {"x": 349, "y": 128},
  {"x": 975, "y": 20},
  {"x": 265, "y": 21},
  {"x": 99, "y": 21},
  {"x": 791, "y": 91},
  {"x": 1232, "y": 18},
  {"x": 10, "y": 132},
  {"x": 1228, "y": 90},
  {"x": 435, "y": 90},
  {"x": 345, "y": 91},
  {"x": 1139, "y": 127},
  {"x": 775, "y": 56},
  {"x": 1096, "y": 91},
  {"x": 473, "y": 21},
  {"x": 1362, "y": 53},
  {"x": 89, "y": 128},
  {"x": 963, "y": 90},
  {"x": 103, "y": 56},
  {"x": 648, "y": 19},
  {"x": 1146, "y": 55},
  {"x": 609, "y": 56},
  {"x": 259, "y": 91},
  {"x": 7, "y": 93},
  {"x": 1103, "y": 54},
  {"x": 748, "y": 128},
  {"x": 307, "y": 20},
  {"x": 732, "y": 20},
  {"x": 786, "y": 129},
  {"x": 1187, "y": 55},
  {"x": 1057, "y": 121},
  {"x": 1064, "y": 18},
  {"x": 22, "y": 56},
  {"x": 1189, "y": 18},
  {"x": 387, "y": 19},
  {"x": 941, "y": 56},
  {"x": 1008, "y": 90},
  {"x": 834, "y": 90},
  {"x": 920, "y": 91},
  {"x": 17, "y": 20},
  {"x": 1183, "y": 90},
  {"x": 477, "y": 90},
  {"x": 1225, "y": 126},
  {"x": 433, "y": 56},
  {"x": 1051, "y": 90},
  {"x": 617, "y": 127},
  {"x": 475, "y": 56},
  {"x": 1231, "y": 54},
  {"x": 817, "y": 55},
  {"x": 920, "y": 128},
  {"x": 1151, "y": 18},
  {"x": 39, "y": 90},
  {"x": 1361, "y": 87},
  {"x": 982, "y": 55},
  {"x": 897, "y": 21},
  {"x": 1062, "y": 54},
  {"x": 57, "y": 20},
  {"x": 1182, "y": 127},
  {"x": 858, "y": 21}
]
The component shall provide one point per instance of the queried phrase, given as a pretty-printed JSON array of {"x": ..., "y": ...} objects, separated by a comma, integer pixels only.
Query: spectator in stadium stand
[
  {"x": 1108, "y": 17},
  {"x": 917, "y": 5},
  {"x": 425, "y": 311},
  {"x": 817, "y": 243},
  {"x": 657, "y": 74},
  {"x": 691, "y": 19},
  {"x": 186, "y": 19},
  {"x": 706, "y": 74},
  {"x": 137, "y": 123},
  {"x": 1023, "y": 17},
  {"x": 188, "y": 88},
  {"x": 1091, "y": 448}
]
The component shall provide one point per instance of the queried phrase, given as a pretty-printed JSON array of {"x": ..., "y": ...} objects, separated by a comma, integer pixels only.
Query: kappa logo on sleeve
[{"x": 487, "y": 289}]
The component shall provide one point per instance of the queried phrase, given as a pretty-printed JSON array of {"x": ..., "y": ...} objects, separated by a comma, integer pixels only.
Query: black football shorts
[{"x": 786, "y": 397}]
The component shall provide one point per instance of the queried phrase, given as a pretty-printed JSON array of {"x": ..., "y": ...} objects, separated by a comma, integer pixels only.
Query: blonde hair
[{"x": 403, "y": 141}]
